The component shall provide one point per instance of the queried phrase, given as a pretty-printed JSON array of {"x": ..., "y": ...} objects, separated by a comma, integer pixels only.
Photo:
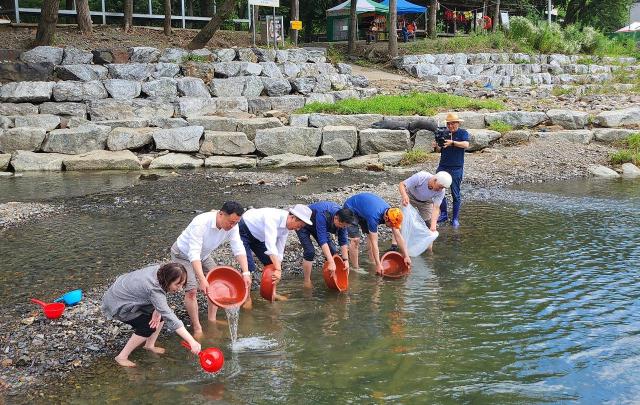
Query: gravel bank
[{"x": 14, "y": 213}]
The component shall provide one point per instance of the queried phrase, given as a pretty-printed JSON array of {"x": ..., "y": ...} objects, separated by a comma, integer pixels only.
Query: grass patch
[
  {"x": 629, "y": 155},
  {"x": 496, "y": 41},
  {"x": 563, "y": 91},
  {"x": 334, "y": 55},
  {"x": 407, "y": 104},
  {"x": 500, "y": 126},
  {"x": 414, "y": 157}
]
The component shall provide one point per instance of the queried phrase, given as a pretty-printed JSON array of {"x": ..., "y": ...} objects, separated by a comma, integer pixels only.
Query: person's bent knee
[{"x": 191, "y": 294}]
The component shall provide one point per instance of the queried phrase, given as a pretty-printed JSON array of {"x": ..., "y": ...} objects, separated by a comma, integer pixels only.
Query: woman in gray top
[{"x": 139, "y": 299}]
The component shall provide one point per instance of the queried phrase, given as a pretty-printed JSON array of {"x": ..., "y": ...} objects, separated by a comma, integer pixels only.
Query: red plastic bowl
[
  {"x": 393, "y": 265},
  {"x": 51, "y": 311},
  {"x": 267, "y": 288},
  {"x": 226, "y": 287},
  {"x": 340, "y": 279}
]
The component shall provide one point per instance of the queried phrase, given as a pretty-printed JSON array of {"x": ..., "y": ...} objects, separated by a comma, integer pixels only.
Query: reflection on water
[{"x": 534, "y": 299}]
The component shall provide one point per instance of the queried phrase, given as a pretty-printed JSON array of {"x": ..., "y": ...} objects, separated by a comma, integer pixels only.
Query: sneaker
[{"x": 455, "y": 223}]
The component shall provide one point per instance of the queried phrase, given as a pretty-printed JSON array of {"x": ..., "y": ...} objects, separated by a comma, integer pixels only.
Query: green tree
[{"x": 606, "y": 15}]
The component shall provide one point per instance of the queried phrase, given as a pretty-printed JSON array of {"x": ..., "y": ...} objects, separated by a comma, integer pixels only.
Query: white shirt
[
  {"x": 418, "y": 186},
  {"x": 268, "y": 225},
  {"x": 202, "y": 237}
]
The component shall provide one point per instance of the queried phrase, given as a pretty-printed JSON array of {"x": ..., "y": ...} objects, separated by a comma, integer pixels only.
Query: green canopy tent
[{"x": 338, "y": 17}]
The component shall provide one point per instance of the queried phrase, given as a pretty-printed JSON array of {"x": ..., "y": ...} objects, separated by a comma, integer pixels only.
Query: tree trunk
[
  {"x": 496, "y": 17},
  {"x": 205, "y": 8},
  {"x": 127, "y": 24},
  {"x": 167, "y": 17},
  {"x": 295, "y": 16},
  {"x": 190, "y": 7},
  {"x": 209, "y": 30},
  {"x": 84, "y": 17},
  {"x": 47, "y": 22},
  {"x": 393, "y": 34},
  {"x": 353, "y": 27},
  {"x": 431, "y": 27}
]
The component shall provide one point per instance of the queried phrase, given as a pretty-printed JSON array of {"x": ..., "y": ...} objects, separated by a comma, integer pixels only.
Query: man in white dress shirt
[
  {"x": 193, "y": 248},
  {"x": 264, "y": 232}
]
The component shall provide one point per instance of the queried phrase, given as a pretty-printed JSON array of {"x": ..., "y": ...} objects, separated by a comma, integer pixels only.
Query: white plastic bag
[{"x": 415, "y": 232}]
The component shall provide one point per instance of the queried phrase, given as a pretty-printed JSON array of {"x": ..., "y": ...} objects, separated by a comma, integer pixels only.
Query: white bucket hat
[{"x": 302, "y": 212}]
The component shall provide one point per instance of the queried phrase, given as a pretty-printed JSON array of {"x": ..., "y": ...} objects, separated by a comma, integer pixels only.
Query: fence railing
[{"x": 104, "y": 13}]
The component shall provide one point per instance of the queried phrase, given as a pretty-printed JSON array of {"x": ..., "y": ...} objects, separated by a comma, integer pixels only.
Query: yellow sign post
[{"x": 296, "y": 25}]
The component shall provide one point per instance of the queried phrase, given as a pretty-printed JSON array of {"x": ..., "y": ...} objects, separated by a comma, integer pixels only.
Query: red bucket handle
[
  {"x": 186, "y": 345},
  {"x": 41, "y": 303}
]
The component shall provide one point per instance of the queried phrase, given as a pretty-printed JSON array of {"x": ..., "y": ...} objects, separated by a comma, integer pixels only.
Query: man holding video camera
[{"x": 451, "y": 143}]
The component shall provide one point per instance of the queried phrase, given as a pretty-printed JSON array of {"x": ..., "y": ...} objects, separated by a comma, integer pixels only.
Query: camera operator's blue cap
[{"x": 453, "y": 117}]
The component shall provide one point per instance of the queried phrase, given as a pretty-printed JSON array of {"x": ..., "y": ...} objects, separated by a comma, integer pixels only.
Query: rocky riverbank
[{"x": 14, "y": 213}]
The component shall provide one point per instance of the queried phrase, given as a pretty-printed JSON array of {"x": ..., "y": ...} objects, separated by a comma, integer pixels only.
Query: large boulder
[
  {"x": 225, "y": 54},
  {"x": 226, "y": 143},
  {"x": 131, "y": 71},
  {"x": 568, "y": 119},
  {"x": 102, "y": 160},
  {"x": 630, "y": 170},
  {"x": 251, "y": 125},
  {"x": 26, "y": 91},
  {"x": 5, "y": 158},
  {"x": 360, "y": 121},
  {"x": 602, "y": 171},
  {"x": 122, "y": 138},
  {"x": 613, "y": 135},
  {"x": 169, "y": 70},
  {"x": 227, "y": 69},
  {"x": 517, "y": 119},
  {"x": 82, "y": 73},
  {"x": 194, "y": 106},
  {"x": 341, "y": 142},
  {"x": 481, "y": 138},
  {"x": 75, "y": 56},
  {"x": 26, "y": 72},
  {"x": 361, "y": 162},
  {"x": 230, "y": 87},
  {"x": 287, "y": 103},
  {"x": 423, "y": 140},
  {"x": 256, "y": 105},
  {"x": 303, "y": 85},
  {"x": 65, "y": 108},
  {"x": 517, "y": 137},
  {"x": 126, "y": 123},
  {"x": 270, "y": 69},
  {"x": 40, "y": 54},
  {"x": 582, "y": 136},
  {"x": 176, "y": 161},
  {"x": 47, "y": 122},
  {"x": 8, "y": 109},
  {"x": 215, "y": 123},
  {"x": 143, "y": 54},
  {"x": 168, "y": 122},
  {"x": 151, "y": 108},
  {"x": 73, "y": 141},
  {"x": 79, "y": 91},
  {"x": 15, "y": 139},
  {"x": 472, "y": 119},
  {"x": 299, "y": 120},
  {"x": 122, "y": 89},
  {"x": 300, "y": 141},
  {"x": 253, "y": 86},
  {"x": 5, "y": 122},
  {"x": 383, "y": 140},
  {"x": 23, "y": 161},
  {"x": 186, "y": 139},
  {"x": 617, "y": 118},
  {"x": 164, "y": 87},
  {"x": 276, "y": 87},
  {"x": 265, "y": 55},
  {"x": 192, "y": 87},
  {"x": 390, "y": 158},
  {"x": 231, "y": 162},
  {"x": 292, "y": 160}
]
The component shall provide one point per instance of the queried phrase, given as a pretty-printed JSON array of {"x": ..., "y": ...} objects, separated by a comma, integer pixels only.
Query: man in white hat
[
  {"x": 452, "y": 162},
  {"x": 264, "y": 232},
  {"x": 425, "y": 191}
]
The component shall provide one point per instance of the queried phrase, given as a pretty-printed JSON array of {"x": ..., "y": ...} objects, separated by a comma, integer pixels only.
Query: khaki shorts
[
  {"x": 424, "y": 208},
  {"x": 179, "y": 257}
]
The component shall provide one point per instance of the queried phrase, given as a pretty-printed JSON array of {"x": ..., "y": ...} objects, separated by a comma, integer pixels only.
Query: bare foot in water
[
  {"x": 197, "y": 334},
  {"x": 248, "y": 304},
  {"x": 125, "y": 362},
  {"x": 307, "y": 284},
  {"x": 156, "y": 349},
  {"x": 278, "y": 297},
  {"x": 221, "y": 321}
]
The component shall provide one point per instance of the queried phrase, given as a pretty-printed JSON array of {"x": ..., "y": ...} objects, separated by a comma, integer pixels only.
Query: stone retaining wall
[
  {"x": 503, "y": 69},
  {"x": 308, "y": 140},
  {"x": 144, "y": 82}
]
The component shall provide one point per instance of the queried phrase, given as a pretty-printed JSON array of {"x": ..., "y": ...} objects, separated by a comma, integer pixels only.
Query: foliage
[
  {"x": 500, "y": 126},
  {"x": 631, "y": 154},
  {"x": 195, "y": 58},
  {"x": 416, "y": 156},
  {"x": 604, "y": 15},
  {"x": 471, "y": 43},
  {"x": 334, "y": 55},
  {"x": 407, "y": 104},
  {"x": 552, "y": 38}
]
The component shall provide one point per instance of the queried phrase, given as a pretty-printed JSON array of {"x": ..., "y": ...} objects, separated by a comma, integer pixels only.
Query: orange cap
[{"x": 394, "y": 216}]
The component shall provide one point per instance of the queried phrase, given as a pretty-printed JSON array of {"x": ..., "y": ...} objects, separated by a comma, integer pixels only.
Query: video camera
[{"x": 441, "y": 135}]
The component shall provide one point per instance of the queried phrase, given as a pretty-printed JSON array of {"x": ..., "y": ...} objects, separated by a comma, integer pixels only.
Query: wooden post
[
  {"x": 431, "y": 27},
  {"x": 393, "y": 22},
  {"x": 353, "y": 28},
  {"x": 47, "y": 22},
  {"x": 128, "y": 15},
  {"x": 295, "y": 16},
  {"x": 167, "y": 17},
  {"x": 496, "y": 17}
]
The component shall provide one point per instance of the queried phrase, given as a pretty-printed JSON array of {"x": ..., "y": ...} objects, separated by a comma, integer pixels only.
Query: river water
[{"x": 535, "y": 299}]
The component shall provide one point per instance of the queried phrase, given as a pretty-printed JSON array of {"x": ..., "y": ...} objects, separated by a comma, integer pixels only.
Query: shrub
[
  {"x": 195, "y": 58},
  {"x": 500, "y": 126},
  {"x": 624, "y": 156}
]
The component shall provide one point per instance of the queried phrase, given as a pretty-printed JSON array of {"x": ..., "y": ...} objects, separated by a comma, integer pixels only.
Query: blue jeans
[
  {"x": 251, "y": 244},
  {"x": 456, "y": 177},
  {"x": 308, "y": 250}
]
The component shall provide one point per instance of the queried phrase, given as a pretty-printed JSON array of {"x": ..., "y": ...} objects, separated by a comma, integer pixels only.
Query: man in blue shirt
[
  {"x": 452, "y": 162},
  {"x": 327, "y": 218},
  {"x": 371, "y": 211}
]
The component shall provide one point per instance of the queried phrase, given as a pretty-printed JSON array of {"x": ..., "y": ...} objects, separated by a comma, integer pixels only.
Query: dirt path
[{"x": 387, "y": 82}]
